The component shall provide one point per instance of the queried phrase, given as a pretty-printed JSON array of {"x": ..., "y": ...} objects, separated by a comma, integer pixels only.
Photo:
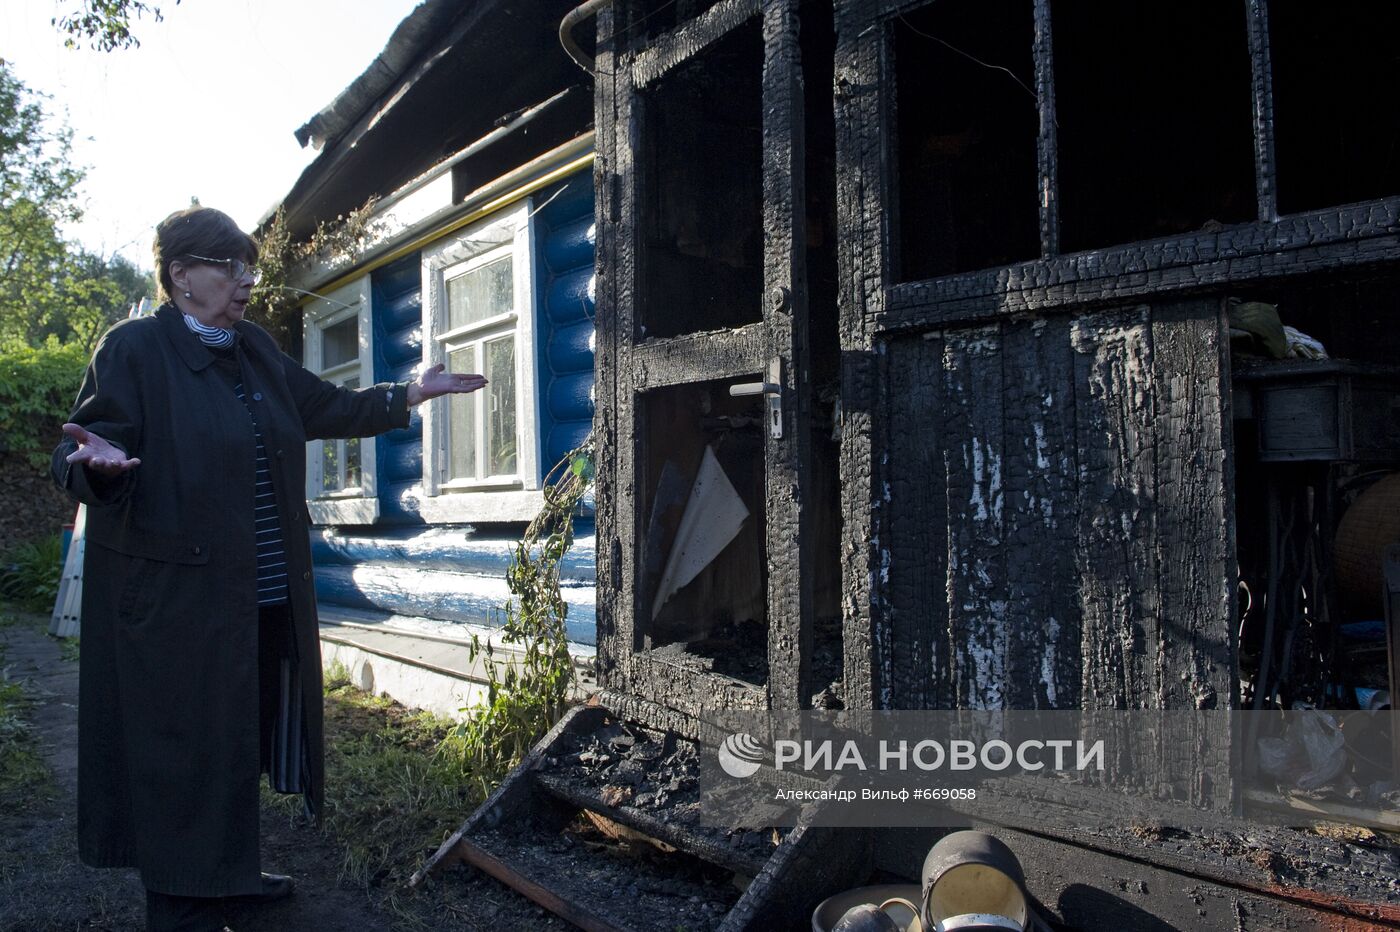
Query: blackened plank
[
  {"x": 973, "y": 469},
  {"x": 1195, "y": 542},
  {"x": 1041, "y": 515},
  {"x": 1117, "y": 571},
  {"x": 913, "y": 566}
]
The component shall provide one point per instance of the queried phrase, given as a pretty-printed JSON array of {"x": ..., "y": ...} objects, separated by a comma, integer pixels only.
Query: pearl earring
[{"x": 188, "y": 295}]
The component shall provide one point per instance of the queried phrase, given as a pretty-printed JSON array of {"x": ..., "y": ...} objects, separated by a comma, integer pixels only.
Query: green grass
[
  {"x": 391, "y": 796},
  {"x": 68, "y": 649},
  {"x": 23, "y": 772}
]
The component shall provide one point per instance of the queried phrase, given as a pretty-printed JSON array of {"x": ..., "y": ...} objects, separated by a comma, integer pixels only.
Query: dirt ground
[{"x": 43, "y": 887}]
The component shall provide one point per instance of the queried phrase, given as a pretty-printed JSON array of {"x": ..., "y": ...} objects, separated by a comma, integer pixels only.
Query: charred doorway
[{"x": 723, "y": 363}]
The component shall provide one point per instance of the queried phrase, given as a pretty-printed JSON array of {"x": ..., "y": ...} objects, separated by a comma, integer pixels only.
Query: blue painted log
[
  {"x": 401, "y": 462},
  {"x": 399, "y": 498},
  {"x": 570, "y": 198},
  {"x": 402, "y": 348},
  {"x": 570, "y": 245},
  {"x": 563, "y": 437},
  {"x": 570, "y": 297},
  {"x": 571, "y": 348},
  {"x": 451, "y": 597},
  {"x": 571, "y": 397},
  {"x": 451, "y": 549}
]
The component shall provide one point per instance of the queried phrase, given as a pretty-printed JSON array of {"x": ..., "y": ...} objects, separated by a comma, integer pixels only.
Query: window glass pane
[
  {"x": 481, "y": 293},
  {"x": 330, "y": 466},
  {"x": 500, "y": 406},
  {"x": 461, "y": 421},
  {"x": 340, "y": 343},
  {"x": 352, "y": 463}
]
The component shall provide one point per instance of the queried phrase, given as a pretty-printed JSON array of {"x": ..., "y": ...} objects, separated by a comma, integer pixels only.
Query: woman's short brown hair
[{"x": 198, "y": 231}]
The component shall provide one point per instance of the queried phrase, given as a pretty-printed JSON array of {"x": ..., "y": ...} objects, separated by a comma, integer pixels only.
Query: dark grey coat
[{"x": 168, "y": 719}]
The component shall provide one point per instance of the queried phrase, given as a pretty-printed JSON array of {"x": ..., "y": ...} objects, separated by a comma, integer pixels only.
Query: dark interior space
[
  {"x": 702, "y": 168},
  {"x": 722, "y": 613},
  {"x": 1317, "y": 493},
  {"x": 967, "y": 121},
  {"x": 1335, "y": 98},
  {"x": 1152, "y": 142}
]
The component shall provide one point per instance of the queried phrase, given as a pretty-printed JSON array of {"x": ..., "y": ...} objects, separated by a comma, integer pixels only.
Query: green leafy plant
[
  {"x": 37, "y": 388},
  {"x": 528, "y": 693},
  {"x": 30, "y": 573}
]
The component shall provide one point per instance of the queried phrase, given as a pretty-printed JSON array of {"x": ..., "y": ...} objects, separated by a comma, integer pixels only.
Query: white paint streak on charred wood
[
  {"x": 1041, "y": 515},
  {"x": 976, "y": 565}
]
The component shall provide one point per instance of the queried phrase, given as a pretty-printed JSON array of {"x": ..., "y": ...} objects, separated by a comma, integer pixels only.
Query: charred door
[{"x": 708, "y": 580}]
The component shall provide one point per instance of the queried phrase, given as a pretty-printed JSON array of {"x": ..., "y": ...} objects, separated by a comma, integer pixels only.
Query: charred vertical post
[
  {"x": 790, "y": 537},
  {"x": 1262, "y": 84},
  {"x": 861, "y": 190},
  {"x": 1047, "y": 152},
  {"x": 606, "y": 214}
]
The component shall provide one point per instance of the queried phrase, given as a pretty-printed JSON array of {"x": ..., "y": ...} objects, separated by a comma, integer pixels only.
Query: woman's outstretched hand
[
  {"x": 97, "y": 454},
  {"x": 435, "y": 382}
]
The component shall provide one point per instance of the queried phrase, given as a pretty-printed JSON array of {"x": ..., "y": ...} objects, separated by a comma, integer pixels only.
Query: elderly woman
[{"x": 201, "y": 663}]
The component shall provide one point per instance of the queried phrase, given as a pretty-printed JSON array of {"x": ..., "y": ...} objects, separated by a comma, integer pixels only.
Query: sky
[{"x": 204, "y": 108}]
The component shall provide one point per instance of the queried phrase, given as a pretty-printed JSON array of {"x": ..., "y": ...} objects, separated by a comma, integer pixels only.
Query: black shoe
[{"x": 274, "y": 887}]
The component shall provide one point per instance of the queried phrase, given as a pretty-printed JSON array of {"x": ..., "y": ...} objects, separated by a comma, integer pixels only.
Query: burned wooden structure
[{"x": 946, "y": 289}]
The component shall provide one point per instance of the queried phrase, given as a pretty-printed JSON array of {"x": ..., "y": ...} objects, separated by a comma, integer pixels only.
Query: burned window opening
[
  {"x": 1151, "y": 142},
  {"x": 967, "y": 125},
  {"x": 1332, "y": 142},
  {"x": 702, "y": 227},
  {"x": 721, "y": 615}
]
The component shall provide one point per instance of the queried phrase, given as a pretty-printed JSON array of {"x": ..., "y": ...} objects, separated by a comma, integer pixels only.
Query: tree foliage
[
  {"x": 49, "y": 287},
  {"x": 104, "y": 25}
]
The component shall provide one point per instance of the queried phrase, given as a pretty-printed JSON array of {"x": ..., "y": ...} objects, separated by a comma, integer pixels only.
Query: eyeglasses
[{"x": 234, "y": 267}]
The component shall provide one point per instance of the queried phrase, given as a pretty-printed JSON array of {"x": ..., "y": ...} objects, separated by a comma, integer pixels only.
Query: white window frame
[
  {"x": 359, "y": 505},
  {"x": 498, "y": 498}
]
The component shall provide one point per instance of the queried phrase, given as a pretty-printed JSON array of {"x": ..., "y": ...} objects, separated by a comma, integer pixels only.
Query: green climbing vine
[{"x": 529, "y": 692}]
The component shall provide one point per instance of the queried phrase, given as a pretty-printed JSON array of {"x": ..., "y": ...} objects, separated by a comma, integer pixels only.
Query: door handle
[{"x": 772, "y": 389}]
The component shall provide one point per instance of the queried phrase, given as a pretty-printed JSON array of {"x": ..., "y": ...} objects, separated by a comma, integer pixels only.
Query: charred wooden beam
[
  {"x": 698, "y": 357},
  {"x": 1352, "y": 236},
  {"x": 687, "y": 40}
]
